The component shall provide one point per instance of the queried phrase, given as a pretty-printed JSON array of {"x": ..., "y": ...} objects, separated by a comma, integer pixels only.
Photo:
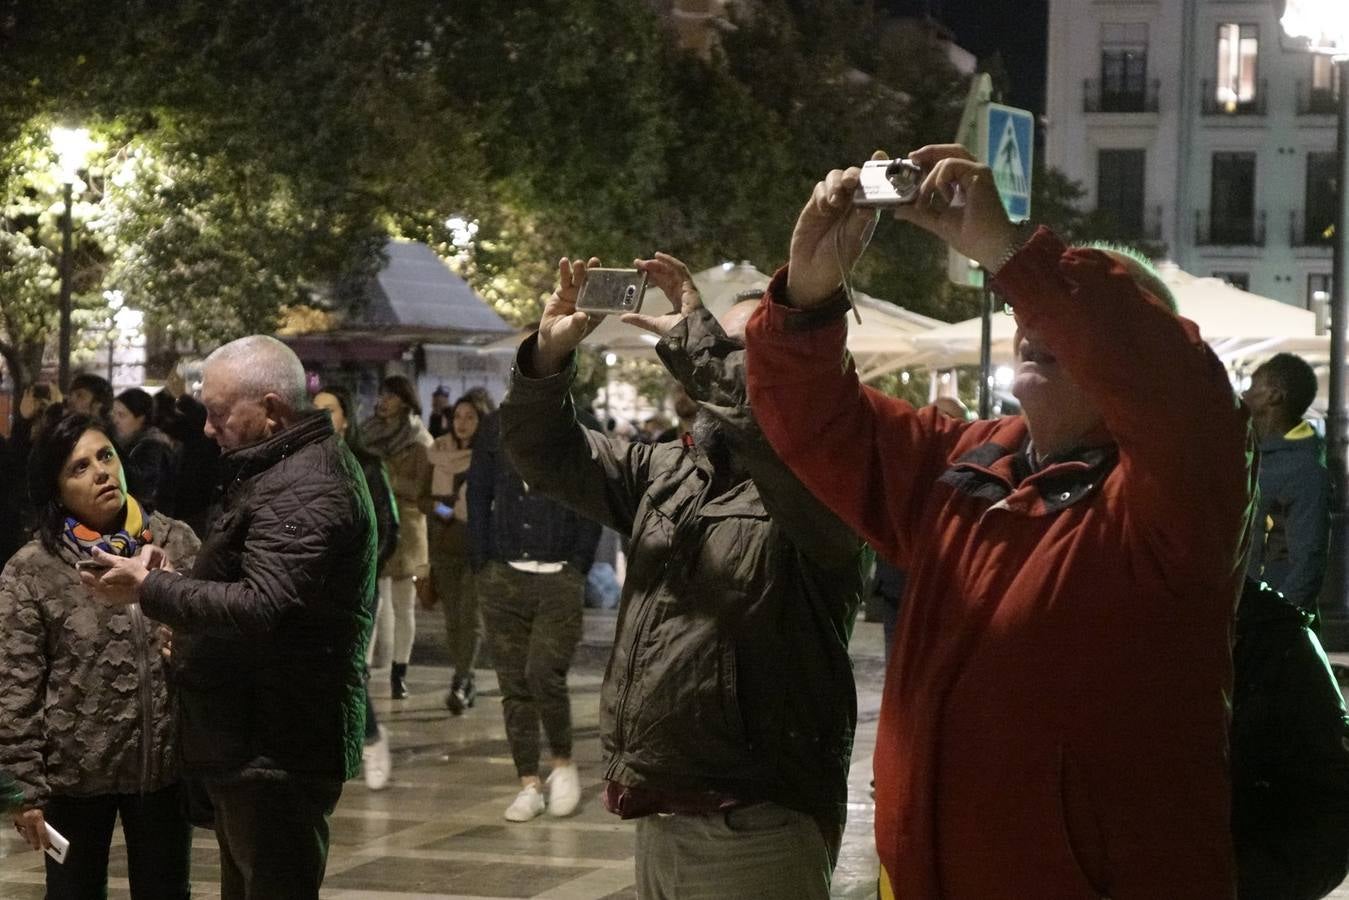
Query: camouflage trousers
[{"x": 533, "y": 624}]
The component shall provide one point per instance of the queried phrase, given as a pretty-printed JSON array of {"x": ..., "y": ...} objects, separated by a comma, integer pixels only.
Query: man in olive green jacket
[{"x": 728, "y": 708}]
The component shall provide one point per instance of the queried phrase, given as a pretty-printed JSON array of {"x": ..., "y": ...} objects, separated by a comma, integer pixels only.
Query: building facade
[{"x": 1189, "y": 123}]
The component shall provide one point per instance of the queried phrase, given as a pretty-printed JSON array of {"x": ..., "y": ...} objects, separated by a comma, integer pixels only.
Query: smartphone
[
  {"x": 888, "y": 182},
  {"x": 58, "y": 843},
  {"x": 611, "y": 292},
  {"x": 443, "y": 510},
  {"x": 91, "y": 565}
]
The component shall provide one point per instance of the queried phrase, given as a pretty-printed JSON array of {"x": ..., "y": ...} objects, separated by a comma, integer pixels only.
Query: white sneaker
[
  {"x": 377, "y": 763},
  {"x": 564, "y": 790},
  {"x": 528, "y": 804}
]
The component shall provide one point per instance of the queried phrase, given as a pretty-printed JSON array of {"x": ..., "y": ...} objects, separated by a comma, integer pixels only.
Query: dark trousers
[
  {"x": 158, "y": 845},
  {"x": 459, "y": 600},
  {"x": 533, "y": 626},
  {"x": 273, "y": 837}
]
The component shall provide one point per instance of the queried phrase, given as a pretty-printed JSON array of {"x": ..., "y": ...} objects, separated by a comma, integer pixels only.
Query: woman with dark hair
[
  {"x": 447, "y": 540},
  {"x": 147, "y": 450},
  {"x": 86, "y": 728},
  {"x": 396, "y": 435},
  {"x": 339, "y": 403}
]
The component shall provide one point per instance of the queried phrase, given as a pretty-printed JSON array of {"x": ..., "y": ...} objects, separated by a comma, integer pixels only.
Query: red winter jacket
[{"x": 1054, "y": 721}]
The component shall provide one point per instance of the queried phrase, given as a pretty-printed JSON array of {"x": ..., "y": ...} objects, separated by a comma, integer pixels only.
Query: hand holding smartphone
[{"x": 57, "y": 845}]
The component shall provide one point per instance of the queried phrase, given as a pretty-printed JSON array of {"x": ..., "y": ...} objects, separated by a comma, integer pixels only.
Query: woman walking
[
  {"x": 395, "y": 434},
  {"x": 85, "y": 724},
  {"x": 447, "y": 536}
]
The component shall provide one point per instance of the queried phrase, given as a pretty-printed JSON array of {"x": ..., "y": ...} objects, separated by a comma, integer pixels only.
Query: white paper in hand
[{"x": 59, "y": 844}]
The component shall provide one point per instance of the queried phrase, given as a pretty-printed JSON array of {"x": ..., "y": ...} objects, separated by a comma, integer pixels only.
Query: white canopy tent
[{"x": 1238, "y": 325}]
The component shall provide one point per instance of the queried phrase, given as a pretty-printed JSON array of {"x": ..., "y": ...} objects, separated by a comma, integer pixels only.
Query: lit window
[{"x": 1238, "y": 48}]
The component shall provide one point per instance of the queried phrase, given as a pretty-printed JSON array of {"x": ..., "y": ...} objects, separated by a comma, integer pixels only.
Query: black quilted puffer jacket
[{"x": 270, "y": 627}]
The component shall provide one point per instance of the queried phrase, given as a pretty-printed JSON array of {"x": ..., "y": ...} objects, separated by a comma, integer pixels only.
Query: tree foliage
[{"x": 258, "y": 154}]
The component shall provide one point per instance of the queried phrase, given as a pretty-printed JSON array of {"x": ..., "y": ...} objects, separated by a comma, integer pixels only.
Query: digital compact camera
[{"x": 888, "y": 182}]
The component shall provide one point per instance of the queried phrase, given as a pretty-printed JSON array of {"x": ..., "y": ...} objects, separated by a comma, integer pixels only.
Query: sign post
[{"x": 1005, "y": 143}]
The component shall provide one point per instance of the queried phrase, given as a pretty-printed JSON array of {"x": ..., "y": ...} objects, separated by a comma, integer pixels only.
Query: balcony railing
[
  {"x": 1316, "y": 101},
  {"x": 1147, "y": 227},
  {"x": 1213, "y": 106},
  {"x": 1304, "y": 232},
  {"x": 1229, "y": 231},
  {"x": 1130, "y": 98}
]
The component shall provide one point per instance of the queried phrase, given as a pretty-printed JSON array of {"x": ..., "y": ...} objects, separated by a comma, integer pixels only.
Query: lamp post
[
  {"x": 1322, "y": 26},
  {"x": 72, "y": 146}
]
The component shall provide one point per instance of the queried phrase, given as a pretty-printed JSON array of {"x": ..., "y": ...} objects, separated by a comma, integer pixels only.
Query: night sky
[{"x": 1017, "y": 28}]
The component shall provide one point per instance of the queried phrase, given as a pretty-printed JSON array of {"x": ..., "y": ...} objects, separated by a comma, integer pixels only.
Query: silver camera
[{"x": 888, "y": 182}]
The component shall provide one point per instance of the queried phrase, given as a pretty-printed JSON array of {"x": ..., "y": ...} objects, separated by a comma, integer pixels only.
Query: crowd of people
[{"x": 1103, "y": 677}]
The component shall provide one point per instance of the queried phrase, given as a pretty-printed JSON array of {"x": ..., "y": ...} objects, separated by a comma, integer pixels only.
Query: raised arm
[
  {"x": 548, "y": 446},
  {"x": 1185, "y": 442},
  {"x": 870, "y": 458}
]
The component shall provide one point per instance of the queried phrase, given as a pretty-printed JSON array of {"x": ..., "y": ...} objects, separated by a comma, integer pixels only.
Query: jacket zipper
[{"x": 143, "y": 671}]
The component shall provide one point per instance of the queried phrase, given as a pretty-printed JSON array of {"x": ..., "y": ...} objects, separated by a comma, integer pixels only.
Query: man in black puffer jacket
[
  {"x": 271, "y": 625},
  {"x": 1290, "y": 761}
]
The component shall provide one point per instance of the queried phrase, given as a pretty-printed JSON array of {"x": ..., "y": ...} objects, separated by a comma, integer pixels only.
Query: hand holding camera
[
  {"x": 829, "y": 236},
  {"x": 977, "y": 227},
  {"x": 676, "y": 283},
  {"x": 562, "y": 326}
]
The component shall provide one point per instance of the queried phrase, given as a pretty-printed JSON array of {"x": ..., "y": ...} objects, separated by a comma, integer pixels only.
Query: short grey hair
[
  {"x": 1140, "y": 268},
  {"x": 262, "y": 365}
]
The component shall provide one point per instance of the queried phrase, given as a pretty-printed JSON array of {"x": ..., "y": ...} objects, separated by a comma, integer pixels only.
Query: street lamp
[
  {"x": 72, "y": 146},
  {"x": 1322, "y": 26}
]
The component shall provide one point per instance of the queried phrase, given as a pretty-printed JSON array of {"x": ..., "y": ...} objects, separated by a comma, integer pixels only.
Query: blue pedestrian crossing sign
[{"x": 1008, "y": 141}]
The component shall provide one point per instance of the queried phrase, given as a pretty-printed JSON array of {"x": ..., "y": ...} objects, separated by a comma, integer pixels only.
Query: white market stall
[{"x": 1239, "y": 325}]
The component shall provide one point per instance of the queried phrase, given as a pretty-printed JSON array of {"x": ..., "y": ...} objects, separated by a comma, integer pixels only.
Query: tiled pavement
[{"x": 437, "y": 832}]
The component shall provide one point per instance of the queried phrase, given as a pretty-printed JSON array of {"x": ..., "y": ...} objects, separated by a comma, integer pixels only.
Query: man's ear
[
  {"x": 277, "y": 412},
  {"x": 1275, "y": 396}
]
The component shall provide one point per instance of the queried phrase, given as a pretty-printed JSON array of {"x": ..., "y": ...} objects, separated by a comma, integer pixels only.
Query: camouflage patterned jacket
[{"x": 81, "y": 684}]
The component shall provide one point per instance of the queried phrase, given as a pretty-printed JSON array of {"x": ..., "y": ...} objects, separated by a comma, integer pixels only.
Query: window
[
  {"x": 1238, "y": 48},
  {"x": 1240, "y": 280},
  {"x": 1321, "y": 194},
  {"x": 1325, "y": 75},
  {"x": 1325, "y": 85},
  {"x": 1119, "y": 187},
  {"x": 1232, "y": 199},
  {"x": 1318, "y": 293},
  {"x": 1124, "y": 67}
]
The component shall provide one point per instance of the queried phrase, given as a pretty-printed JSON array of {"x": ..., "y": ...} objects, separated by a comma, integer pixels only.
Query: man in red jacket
[{"x": 1054, "y": 722}]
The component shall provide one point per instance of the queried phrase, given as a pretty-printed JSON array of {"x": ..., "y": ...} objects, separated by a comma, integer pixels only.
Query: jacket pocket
[{"x": 1077, "y": 823}]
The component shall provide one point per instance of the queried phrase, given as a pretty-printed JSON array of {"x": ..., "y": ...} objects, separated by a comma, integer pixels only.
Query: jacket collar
[
  {"x": 1006, "y": 475},
  {"x": 310, "y": 428}
]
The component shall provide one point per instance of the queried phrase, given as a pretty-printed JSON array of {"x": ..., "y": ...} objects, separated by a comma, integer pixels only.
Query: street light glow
[
  {"x": 1322, "y": 24},
  {"x": 72, "y": 146}
]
